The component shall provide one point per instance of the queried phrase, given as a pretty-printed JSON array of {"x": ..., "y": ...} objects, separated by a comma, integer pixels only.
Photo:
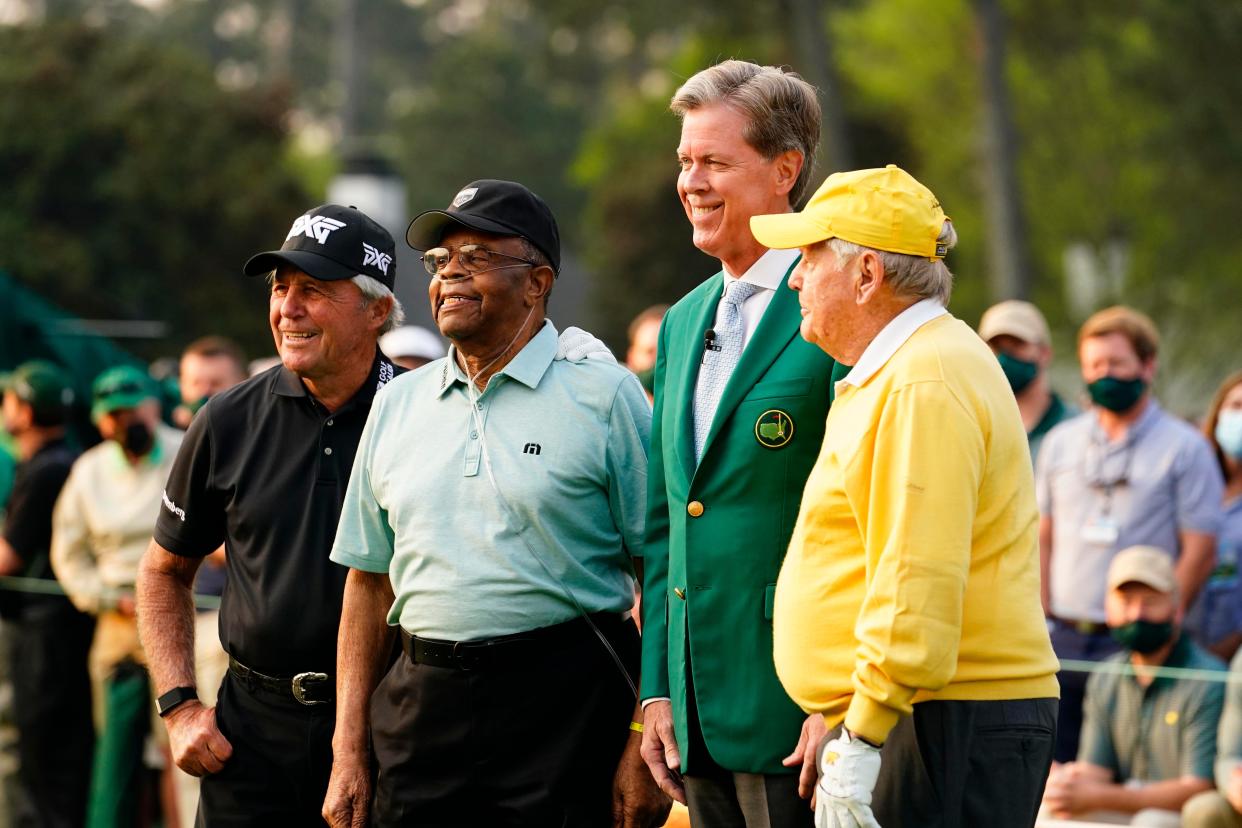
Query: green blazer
[{"x": 716, "y": 534}]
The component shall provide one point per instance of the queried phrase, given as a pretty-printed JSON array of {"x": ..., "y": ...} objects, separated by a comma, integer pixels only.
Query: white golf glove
[
  {"x": 848, "y": 769},
  {"x": 576, "y": 345}
]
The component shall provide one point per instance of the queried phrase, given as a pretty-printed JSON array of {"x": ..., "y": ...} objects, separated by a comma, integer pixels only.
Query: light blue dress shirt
[
  {"x": 1160, "y": 480},
  {"x": 567, "y": 444}
]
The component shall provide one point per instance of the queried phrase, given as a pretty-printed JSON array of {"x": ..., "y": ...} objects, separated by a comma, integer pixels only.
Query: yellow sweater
[{"x": 913, "y": 571}]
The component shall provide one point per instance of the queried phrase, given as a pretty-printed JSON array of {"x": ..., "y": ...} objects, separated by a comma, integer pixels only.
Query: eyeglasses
[{"x": 474, "y": 258}]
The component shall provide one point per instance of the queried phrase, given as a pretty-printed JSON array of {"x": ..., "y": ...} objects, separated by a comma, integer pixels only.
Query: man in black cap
[
  {"x": 263, "y": 469},
  {"x": 501, "y": 550},
  {"x": 51, "y": 685}
]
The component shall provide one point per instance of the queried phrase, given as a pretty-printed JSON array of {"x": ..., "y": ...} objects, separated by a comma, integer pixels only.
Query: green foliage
[{"x": 137, "y": 187}]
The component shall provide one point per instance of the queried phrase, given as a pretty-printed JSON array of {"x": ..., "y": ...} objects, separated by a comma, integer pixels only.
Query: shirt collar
[
  {"x": 1051, "y": 416},
  {"x": 881, "y": 349},
  {"x": 1151, "y": 413},
  {"x": 285, "y": 383},
  {"x": 527, "y": 366},
  {"x": 768, "y": 271}
]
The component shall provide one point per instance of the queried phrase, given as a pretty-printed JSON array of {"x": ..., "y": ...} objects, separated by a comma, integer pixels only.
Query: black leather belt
[
  {"x": 1082, "y": 627},
  {"x": 305, "y": 688},
  {"x": 507, "y": 650}
]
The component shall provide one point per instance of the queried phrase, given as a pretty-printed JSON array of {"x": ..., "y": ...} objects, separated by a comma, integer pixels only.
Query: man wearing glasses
[
  {"x": 496, "y": 503},
  {"x": 263, "y": 469},
  {"x": 1125, "y": 473}
]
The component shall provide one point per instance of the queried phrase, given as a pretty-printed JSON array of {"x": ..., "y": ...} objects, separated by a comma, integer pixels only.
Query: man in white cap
[
  {"x": 1018, "y": 334},
  {"x": 1148, "y": 741},
  {"x": 411, "y": 346}
]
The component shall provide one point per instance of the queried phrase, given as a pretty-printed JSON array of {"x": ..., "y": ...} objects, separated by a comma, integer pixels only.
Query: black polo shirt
[
  {"x": 28, "y": 524},
  {"x": 263, "y": 469}
]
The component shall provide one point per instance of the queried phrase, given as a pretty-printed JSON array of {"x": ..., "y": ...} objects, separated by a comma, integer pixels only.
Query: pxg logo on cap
[{"x": 331, "y": 242}]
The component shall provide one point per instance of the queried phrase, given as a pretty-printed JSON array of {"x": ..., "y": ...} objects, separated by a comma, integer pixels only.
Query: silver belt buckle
[{"x": 299, "y": 690}]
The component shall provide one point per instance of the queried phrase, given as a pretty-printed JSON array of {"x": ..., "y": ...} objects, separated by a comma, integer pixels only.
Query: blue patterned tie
[{"x": 719, "y": 362}]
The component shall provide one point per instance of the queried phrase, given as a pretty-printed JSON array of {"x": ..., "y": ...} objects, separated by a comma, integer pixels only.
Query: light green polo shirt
[{"x": 568, "y": 446}]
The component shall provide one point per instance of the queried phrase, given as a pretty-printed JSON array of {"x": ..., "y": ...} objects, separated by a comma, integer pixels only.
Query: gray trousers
[
  {"x": 746, "y": 800},
  {"x": 961, "y": 764},
  {"x": 719, "y": 798}
]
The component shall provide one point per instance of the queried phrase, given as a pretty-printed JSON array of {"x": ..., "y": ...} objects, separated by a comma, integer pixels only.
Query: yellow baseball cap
[{"x": 885, "y": 209}]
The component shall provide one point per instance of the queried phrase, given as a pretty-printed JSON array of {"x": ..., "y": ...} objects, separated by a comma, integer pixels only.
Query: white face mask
[{"x": 1229, "y": 433}]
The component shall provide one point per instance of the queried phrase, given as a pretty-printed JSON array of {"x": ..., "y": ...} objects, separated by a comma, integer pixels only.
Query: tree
[{"x": 138, "y": 187}]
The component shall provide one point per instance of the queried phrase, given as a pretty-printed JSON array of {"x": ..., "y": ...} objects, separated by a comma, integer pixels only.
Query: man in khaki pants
[{"x": 100, "y": 529}]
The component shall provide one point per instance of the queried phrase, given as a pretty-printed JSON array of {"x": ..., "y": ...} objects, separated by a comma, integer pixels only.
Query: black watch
[{"x": 166, "y": 703}]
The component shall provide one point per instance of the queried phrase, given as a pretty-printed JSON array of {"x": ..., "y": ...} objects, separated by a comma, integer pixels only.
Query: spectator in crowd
[
  {"x": 411, "y": 346},
  {"x": 1018, "y": 334},
  {"x": 51, "y": 685},
  {"x": 501, "y": 550},
  {"x": 100, "y": 527},
  {"x": 208, "y": 366},
  {"x": 1123, "y": 473},
  {"x": 643, "y": 336},
  {"x": 263, "y": 469},
  {"x": 1222, "y": 808},
  {"x": 907, "y": 613},
  {"x": 740, "y": 402},
  {"x": 1148, "y": 740},
  {"x": 1216, "y": 618}
]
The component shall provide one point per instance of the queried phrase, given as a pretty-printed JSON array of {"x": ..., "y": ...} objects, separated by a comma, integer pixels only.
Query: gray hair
[
  {"x": 916, "y": 276},
  {"x": 781, "y": 108},
  {"x": 372, "y": 290}
]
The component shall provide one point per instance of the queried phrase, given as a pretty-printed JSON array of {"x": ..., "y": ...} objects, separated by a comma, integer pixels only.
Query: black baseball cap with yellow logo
[{"x": 331, "y": 242}]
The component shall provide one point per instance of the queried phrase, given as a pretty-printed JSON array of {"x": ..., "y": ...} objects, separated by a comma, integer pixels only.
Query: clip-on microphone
[{"x": 709, "y": 343}]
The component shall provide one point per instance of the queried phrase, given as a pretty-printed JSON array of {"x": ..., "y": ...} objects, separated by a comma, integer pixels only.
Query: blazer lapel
[
  {"x": 700, "y": 317},
  {"x": 777, "y": 327}
]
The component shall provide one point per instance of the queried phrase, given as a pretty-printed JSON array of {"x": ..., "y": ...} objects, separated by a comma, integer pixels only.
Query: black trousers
[
  {"x": 966, "y": 764},
  {"x": 52, "y": 709},
  {"x": 529, "y": 744},
  {"x": 282, "y": 758},
  {"x": 1067, "y": 642}
]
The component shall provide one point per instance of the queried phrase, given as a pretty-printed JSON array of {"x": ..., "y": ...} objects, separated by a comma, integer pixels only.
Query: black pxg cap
[
  {"x": 504, "y": 208},
  {"x": 332, "y": 242}
]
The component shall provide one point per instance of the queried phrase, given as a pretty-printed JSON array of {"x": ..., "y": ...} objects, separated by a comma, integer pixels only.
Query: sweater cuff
[{"x": 870, "y": 719}]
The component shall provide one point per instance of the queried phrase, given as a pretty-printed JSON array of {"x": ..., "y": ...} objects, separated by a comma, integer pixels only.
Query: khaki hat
[
  {"x": 884, "y": 209},
  {"x": 1017, "y": 319},
  {"x": 1149, "y": 565}
]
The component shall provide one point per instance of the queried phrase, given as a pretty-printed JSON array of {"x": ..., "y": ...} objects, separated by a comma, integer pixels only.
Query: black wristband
[{"x": 174, "y": 698}]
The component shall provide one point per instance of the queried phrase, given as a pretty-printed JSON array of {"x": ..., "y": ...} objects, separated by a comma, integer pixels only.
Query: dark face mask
[
  {"x": 197, "y": 404},
  {"x": 1019, "y": 372},
  {"x": 137, "y": 439},
  {"x": 1143, "y": 636},
  {"x": 1115, "y": 394}
]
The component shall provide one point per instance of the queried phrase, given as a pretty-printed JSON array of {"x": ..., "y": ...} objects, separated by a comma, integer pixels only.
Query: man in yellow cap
[{"x": 907, "y": 610}]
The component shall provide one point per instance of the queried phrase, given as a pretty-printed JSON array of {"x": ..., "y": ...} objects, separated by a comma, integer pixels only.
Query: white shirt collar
[
  {"x": 768, "y": 271},
  {"x": 893, "y": 335}
]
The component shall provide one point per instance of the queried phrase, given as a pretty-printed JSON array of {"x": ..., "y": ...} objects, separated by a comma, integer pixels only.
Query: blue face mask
[{"x": 1229, "y": 433}]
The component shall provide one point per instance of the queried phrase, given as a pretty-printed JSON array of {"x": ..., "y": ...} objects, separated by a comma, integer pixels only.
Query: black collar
[{"x": 285, "y": 383}]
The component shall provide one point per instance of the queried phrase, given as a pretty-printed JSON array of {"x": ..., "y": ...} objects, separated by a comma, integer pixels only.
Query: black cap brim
[
  {"x": 427, "y": 229},
  {"x": 312, "y": 264}
]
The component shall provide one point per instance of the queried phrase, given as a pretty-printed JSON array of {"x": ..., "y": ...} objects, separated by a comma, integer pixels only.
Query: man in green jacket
[{"x": 740, "y": 404}]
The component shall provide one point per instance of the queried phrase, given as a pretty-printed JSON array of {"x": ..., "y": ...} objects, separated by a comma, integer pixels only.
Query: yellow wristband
[{"x": 637, "y": 727}]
